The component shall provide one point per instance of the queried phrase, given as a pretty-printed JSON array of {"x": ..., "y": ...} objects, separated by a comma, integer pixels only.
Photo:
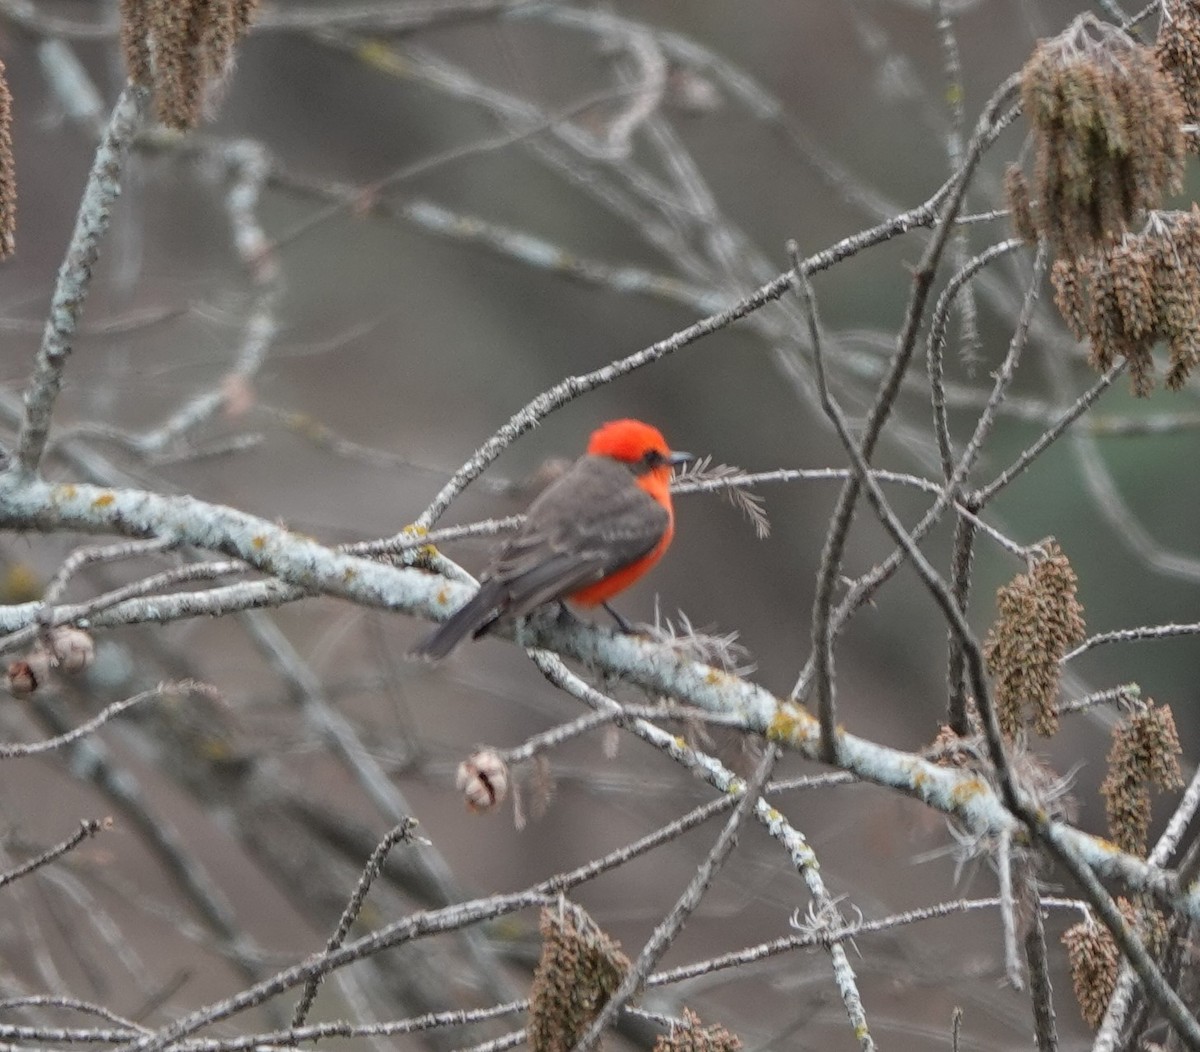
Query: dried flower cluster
[
  {"x": 1145, "y": 751},
  {"x": 579, "y": 970},
  {"x": 1107, "y": 128},
  {"x": 182, "y": 49},
  {"x": 1095, "y": 960},
  {"x": 8, "y": 173},
  {"x": 65, "y": 649},
  {"x": 1039, "y": 620},
  {"x": 1178, "y": 51},
  {"x": 1135, "y": 292},
  {"x": 482, "y": 778},
  {"x": 692, "y": 1037}
]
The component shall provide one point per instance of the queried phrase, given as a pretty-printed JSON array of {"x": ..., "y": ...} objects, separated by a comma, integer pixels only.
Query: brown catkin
[
  {"x": 1016, "y": 189},
  {"x": 1145, "y": 751},
  {"x": 692, "y": 1037},
  {"x": 182, "y": 49},
  {"x": 1095, "y": 960},
  {"x": 1106, "y": 124},
  {"x": 172, "y": 64},
  {"x": 1135, "y": 292},
  {"x": 135, "y": 37},
  {"x": 1178, "y": 52},
  {"x": 578, "y": 972},
  {"x": 1039, "y": 619}
]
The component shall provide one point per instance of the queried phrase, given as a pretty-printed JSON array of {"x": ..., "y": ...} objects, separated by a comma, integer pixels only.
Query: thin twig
[
  {"x": 401, "y": 833},
  {"x": 1048, "y": 437},
  {"x": 75, "y": 274},
  {"x": 718, "y": 775},
  {"x": 842, "y": 517},
  {"x": 182, "y": 688},
  {"x": 1128, "y": 635},
  {"x": 935, "y": 345},
  {"x": 88, "y": 828},
  {"x": 1040, "y": 992},
  {"x": 664, "y": 934},
  {"x": 1008, "y": 910}
]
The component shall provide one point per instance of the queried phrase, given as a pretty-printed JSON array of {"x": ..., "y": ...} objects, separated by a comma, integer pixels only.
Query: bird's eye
[{"x": 652, "y": 458}]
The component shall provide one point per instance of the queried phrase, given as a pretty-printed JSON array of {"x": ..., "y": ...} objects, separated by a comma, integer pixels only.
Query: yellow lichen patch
[
  {"x": 66, "y": 492},
  {"x": 716, "y": 677},
  {"x": 259, "y": 541},
  {"x": 215, "y": 749},
  {"x": 19, "y": 583},
  {"x": 382, "y": 57},
  {"x": 965, "y": 790},
  {"x": 103, "y": 501},
  {"x": 787, "y": 725},
  {"x": 443, "y": 597},
  {"x": 773, "y": 815},
  {"x": 349, "y": 574}
]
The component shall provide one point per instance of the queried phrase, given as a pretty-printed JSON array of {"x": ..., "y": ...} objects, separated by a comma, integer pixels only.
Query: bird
[{"x": 589, "y": 535}]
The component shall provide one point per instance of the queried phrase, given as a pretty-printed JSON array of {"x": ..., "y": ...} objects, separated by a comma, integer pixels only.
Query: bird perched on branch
[{"x": 590, "y": 534}]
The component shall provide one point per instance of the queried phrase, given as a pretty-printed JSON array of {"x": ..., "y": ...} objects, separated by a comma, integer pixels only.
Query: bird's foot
[{"x": 625, "y": 627}]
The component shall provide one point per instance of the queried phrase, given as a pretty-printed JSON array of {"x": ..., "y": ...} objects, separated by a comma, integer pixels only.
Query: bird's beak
[{"x": 675, "y": 458}]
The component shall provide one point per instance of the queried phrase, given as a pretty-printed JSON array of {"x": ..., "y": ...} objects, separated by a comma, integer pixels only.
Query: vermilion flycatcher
[{"x": 589, "y": 535}]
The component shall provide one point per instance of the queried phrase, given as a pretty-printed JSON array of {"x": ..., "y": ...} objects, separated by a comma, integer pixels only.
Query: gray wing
[{"x": 566, "y": 544}]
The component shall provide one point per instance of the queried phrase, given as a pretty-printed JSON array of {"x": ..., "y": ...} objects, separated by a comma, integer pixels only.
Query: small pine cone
[
  {"x": 29, "y": 673},
  {"x": 483, "y": 780},
  {"x": 73, "y": 648}
]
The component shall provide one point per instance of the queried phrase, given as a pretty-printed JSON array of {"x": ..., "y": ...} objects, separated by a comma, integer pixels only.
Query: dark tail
[{"x": 473, "y": 619}]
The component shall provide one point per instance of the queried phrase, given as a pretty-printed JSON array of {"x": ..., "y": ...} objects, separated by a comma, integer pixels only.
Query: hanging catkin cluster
[
  {"x": 1094, "y": 958},
  {"x": 181, "y": 49},
  {"x": 1107, "y": 116},
  {"x": 1178, "y": 51},
  {"x": 692, "y": 1037},
  {"x": 1039, "y": 619},
  {"x": 1106, "y": 124},
  {"x": 1145, "y": 751},
  {"x": 1135, "y": 292},
  {"x": 578, "y": 972}
]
